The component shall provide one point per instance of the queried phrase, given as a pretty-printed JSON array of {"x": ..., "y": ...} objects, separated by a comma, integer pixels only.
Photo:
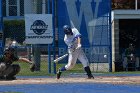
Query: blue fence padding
[
  {"x": 1, "y": 28},
  {"x": 92, "y": 19}
]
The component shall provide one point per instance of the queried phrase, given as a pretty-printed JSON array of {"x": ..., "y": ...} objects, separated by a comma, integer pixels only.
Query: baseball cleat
[
  {"x": 90, "y": 77},
  {"x": 58, "y": 74}
]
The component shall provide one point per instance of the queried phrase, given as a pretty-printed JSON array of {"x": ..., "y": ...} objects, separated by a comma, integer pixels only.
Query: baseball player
[
  {"x": 8, "y": 70},
  {"x": 72, "y": 39}
]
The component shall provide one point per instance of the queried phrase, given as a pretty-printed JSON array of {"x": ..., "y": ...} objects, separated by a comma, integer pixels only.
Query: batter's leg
[
  {"x": 83, "y": 59},
  {"x": 88, "y": 71},
  {"x": 72, "y": 58}
]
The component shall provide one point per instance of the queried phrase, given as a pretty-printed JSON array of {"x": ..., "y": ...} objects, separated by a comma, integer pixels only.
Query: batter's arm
[
  {"x": 78, "y": 43},
  {"x": 79, "y": 40}
]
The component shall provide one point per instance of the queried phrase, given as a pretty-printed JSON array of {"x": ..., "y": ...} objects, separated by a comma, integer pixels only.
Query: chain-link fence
[
  {"x": 93, "y": 22},
  {"x": 14, "y": 12}
]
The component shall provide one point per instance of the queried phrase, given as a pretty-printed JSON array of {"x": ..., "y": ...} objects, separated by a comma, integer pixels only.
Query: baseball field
[{"x": 74, "y": 83}]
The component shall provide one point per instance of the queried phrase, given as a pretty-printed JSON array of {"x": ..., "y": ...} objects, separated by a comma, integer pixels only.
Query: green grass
[
  {"x": 78, "y": 68},
  {"x": 25, "y": 71}
]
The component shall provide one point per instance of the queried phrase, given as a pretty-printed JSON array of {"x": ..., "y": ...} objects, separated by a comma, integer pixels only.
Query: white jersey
[
  {"x": 71, "y": 40},
  {"x": 74, "y": 54}
]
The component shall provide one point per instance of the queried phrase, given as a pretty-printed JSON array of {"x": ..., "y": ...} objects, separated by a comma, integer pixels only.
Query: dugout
[{"x": 125, "y": 30}]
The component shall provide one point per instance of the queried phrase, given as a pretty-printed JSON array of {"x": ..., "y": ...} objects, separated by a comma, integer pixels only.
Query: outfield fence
[{"x": 91, "y": 17}]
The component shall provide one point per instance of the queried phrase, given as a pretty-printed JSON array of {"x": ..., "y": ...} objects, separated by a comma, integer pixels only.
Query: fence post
[{"x": 1, "y": 29}]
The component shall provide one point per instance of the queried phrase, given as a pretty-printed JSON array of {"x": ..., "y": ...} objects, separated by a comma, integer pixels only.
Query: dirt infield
[{"x": 98, "y": 79}]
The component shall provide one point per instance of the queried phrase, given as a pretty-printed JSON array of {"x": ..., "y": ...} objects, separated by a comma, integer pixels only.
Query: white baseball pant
[{"x": 73, "y": 56}]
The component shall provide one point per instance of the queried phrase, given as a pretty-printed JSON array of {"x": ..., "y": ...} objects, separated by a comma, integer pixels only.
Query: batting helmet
[{"x": 67, "y": 30}]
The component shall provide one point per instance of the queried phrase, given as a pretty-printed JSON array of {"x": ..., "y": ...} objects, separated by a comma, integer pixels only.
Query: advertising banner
[{"x": 38, "y": 29}]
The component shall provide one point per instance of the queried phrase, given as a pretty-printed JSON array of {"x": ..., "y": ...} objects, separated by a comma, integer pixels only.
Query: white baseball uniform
[{"x": 74, "y": 53}]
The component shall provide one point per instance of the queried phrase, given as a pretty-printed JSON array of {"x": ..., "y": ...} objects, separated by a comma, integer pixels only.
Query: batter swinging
[{"x": 73, "y": 40}]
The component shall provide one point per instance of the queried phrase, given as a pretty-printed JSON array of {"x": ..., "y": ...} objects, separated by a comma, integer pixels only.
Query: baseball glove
[{"x": 32, "y": 67}]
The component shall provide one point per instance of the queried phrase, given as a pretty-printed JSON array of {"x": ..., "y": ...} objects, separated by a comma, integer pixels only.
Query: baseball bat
[
  {"x": 72, "y": 24},
  {"x": 60, "y": 58}
]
